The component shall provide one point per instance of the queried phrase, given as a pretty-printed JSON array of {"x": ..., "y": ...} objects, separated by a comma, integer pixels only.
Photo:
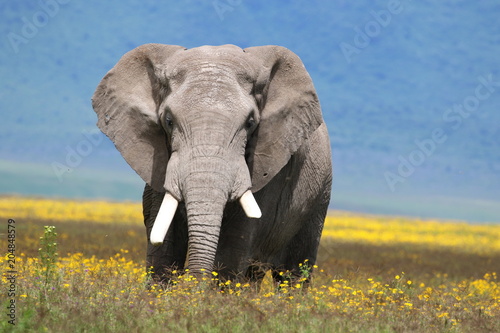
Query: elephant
[{"x": 234, "y": 151}]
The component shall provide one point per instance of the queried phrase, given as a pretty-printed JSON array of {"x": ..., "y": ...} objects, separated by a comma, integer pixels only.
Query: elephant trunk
[
  {"x": 206, "y": 190},
  {"x": 207, "y": 180},
  {"x": 204, "y": 223}
]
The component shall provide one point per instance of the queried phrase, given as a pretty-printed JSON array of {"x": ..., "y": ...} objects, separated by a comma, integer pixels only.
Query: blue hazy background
[{"x": 391, "y": 76}]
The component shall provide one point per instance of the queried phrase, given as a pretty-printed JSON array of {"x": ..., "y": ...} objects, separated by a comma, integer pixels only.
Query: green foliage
[
  {"x": 46, "y": 268},
  {"x": 99, "y": 284}
]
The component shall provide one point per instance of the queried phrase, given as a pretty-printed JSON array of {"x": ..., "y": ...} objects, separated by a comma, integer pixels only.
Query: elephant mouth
[{"x": 169, "y": 206}]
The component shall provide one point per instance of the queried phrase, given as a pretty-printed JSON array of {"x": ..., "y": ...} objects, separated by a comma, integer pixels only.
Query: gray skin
[{"x": 207, "y": 124}]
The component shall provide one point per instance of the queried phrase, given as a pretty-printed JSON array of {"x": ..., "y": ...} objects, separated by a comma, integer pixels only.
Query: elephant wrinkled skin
[{"x": 207, "y": 124}]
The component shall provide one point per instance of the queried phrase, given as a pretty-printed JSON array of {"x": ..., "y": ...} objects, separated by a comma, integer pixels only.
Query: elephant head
[{"x": 206, "y": 125}]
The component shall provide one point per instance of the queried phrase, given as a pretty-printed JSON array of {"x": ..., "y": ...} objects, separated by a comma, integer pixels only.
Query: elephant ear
[
  {"x": 290, "y": 111},
  {"x": 126, "y": 102}
]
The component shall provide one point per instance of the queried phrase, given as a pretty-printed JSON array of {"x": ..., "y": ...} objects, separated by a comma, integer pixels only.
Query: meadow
[{"x": 85, "y": 273}]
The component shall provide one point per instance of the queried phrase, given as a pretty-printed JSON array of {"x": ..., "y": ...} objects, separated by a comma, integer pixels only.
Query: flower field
[{"x": 374, "y": 274}]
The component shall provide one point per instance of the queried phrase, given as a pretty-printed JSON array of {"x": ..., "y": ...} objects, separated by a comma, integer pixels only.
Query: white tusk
[
  {"x": 249, "y": 205},
  {"x": 163, "y": 219}
]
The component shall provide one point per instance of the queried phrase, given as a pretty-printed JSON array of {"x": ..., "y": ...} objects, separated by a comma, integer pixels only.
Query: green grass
[{"x": 99, "y": 285}]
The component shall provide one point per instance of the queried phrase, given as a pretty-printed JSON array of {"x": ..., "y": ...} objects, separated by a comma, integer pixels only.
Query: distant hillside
[{"x": 388, "y": 77}]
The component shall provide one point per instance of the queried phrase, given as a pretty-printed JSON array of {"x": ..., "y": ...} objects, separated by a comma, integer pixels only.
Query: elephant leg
[
  {"x": 299, "y": 256},
  {"x": 255, "y": 273},
  {"x": 312, "y": 190},
  {"x": 171, "y": 255}
]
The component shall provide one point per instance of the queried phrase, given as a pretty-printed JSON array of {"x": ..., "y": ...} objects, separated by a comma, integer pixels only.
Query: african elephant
[{"x": 207, "y": 127}]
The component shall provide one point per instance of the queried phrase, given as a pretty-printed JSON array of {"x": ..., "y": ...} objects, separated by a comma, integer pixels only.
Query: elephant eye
[
  {"x": 168, "y": 121},
  {"x": 250, "y": 123}
]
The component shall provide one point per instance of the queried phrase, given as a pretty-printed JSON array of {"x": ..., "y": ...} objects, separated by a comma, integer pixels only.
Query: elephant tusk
[
  {"x": 163, "y": 219},
  {"x": 249, "y": 205}
]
